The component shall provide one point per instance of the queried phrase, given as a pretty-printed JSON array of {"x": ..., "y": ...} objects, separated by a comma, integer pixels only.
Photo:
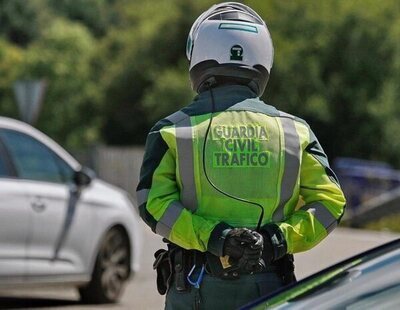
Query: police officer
[{"x": 233, "y": 185}]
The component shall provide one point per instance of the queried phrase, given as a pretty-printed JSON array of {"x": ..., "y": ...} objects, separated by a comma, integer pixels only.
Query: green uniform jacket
[{"x": 254, "y": 152}]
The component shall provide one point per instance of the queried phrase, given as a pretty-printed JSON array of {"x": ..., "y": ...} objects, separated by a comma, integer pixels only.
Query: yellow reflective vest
[{"x": 253, "y": 151}]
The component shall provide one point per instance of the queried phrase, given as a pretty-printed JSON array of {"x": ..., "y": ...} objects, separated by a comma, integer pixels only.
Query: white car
[{"x": 60, "y": 224}]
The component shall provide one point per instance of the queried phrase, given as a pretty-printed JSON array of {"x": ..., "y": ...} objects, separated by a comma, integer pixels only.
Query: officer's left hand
[
  {"x": 244, "y": 247},
  {"x": 251, "y": 258}
]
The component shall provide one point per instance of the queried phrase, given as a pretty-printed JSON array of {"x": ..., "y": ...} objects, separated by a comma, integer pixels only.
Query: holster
[
  {"x": 181, "y": 269},
  {"x": 173, "y": 263},
  {"x": 163, "y": 266},
  {"x": 286, "y": 269}
]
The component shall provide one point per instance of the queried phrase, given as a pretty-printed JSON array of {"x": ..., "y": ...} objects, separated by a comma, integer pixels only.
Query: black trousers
[{"x": 215, "y": 293}]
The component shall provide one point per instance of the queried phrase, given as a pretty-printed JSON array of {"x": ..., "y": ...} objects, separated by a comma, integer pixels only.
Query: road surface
[{"x": 141, "y": 292}]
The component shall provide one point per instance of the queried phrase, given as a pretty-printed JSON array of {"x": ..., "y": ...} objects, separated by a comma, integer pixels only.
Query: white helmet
[{"x": 230, "y": 42}]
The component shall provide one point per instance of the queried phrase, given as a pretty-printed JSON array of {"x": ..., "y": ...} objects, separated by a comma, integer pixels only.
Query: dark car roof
[{"x": 363, "y": 281}]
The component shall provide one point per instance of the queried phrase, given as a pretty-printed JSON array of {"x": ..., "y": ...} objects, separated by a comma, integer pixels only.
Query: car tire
[{"x": 112, "y": 269}]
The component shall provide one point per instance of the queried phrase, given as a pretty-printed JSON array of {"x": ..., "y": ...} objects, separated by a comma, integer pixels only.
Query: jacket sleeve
[
  {"x": 160, "y": 207},
  {"x": 322, "y": 201}
]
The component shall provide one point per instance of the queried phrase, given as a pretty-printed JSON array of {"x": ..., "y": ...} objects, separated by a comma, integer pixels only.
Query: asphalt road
[{"x": 141, "y": 292}]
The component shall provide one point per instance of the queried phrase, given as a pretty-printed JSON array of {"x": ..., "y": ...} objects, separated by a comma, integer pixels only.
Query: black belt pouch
[{"x": 163, "y": 266}]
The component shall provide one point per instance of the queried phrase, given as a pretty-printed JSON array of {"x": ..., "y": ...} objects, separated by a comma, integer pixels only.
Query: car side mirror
[{"x": 83, "y": 177}]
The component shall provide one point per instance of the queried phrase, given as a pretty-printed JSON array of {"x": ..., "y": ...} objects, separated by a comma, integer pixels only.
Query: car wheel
[{"x": 111, "y": 270}]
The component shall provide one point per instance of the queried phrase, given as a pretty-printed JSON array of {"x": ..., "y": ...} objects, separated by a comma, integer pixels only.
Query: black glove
[{"x": 244, "y": 248}]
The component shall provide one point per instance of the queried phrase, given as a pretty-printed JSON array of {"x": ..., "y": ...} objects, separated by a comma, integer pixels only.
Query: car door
[
  {"x": 48, "y": 181},
  {"x": 14, "y": 221}
]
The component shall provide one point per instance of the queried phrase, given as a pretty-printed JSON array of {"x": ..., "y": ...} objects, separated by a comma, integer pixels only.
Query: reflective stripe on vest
[
  {"x": 184, "y": 145},
  {"x": 292, "y": 164},
  {"x": 167, "y": 221},
  {"x": 323, "y": 215},
  {"x": 142, "y": 195}
]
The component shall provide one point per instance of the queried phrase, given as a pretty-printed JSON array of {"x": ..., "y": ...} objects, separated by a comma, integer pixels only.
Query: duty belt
[
  {"x": 186, "y": 268},
  {"x": 214, "y": 265}
]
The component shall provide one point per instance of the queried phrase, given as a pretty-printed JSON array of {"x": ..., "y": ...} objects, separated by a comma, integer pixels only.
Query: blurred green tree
[
  {"x": 149, "y": 48},
  {"x": 21, "y": 20},
  {"x": 63, "y": 56},
  {"x": 11, "y": 57},
  {"x": 97, "y": 15},
  {"x": 335, "y": 66},
  {"x": 170, "y": 91}
]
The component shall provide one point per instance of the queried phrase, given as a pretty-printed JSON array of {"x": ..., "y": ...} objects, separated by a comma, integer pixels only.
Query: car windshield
[{"x": 370, "y": 280}]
